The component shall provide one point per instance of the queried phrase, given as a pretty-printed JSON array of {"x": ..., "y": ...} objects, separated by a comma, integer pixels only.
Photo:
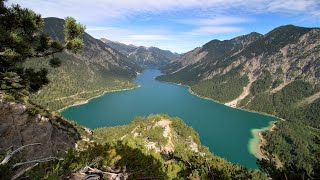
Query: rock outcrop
[{"x": 18, "y": 128}]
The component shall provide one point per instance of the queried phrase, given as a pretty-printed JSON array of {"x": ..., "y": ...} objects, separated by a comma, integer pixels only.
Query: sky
[{"x": 178, "y": 25}]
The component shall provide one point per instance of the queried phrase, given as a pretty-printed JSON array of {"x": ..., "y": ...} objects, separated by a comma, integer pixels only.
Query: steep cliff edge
[{"x": 18, "y": 127}]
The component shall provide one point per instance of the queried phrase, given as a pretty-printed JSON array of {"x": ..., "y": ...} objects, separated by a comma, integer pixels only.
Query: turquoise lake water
[{"x": 226, "y": 131}]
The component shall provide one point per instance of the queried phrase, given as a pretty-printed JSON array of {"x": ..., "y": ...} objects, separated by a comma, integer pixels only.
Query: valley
[
  {"x": 75, "y": 104},
  {"x": 211, "y": 120}
]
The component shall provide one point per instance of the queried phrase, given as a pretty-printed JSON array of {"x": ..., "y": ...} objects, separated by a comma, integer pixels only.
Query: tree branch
[
  {"x": 93, "y": 172},
  {"x": 9, "y": 155},
  {"x": 37, "y": 161},
  {"x": 19, "y": 174}
]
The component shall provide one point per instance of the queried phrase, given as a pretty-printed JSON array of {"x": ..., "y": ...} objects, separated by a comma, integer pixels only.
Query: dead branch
[
  {"x": 10, "y": 154},
  {"x": 92, "y": 173},
  {"x": 19, "y": 174},
  {"x": 37, "y": 161}
]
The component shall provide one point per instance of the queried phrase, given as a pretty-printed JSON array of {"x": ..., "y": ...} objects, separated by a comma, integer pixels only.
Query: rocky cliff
[{"x": 18, "y": 128}]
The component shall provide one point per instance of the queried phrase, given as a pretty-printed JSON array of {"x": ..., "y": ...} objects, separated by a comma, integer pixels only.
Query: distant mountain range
[{"x": 143, "y": 56}]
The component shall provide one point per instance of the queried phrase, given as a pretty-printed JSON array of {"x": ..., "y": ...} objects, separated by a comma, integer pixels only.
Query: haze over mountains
[{"x": 145, "y": 56}]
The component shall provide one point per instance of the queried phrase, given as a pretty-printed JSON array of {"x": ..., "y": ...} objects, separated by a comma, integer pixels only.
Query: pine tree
[{"x": 22, "y": 37}]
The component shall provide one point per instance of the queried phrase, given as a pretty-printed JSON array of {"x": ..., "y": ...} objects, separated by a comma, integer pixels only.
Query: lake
[{"x": 226, "y": 131}]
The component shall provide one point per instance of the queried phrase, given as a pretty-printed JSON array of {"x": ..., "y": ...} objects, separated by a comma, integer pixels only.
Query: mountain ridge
[{"x": 141, "y": 55}]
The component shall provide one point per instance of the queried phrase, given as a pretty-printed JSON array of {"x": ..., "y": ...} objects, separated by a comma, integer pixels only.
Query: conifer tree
[{"x": 22, "y": 37}]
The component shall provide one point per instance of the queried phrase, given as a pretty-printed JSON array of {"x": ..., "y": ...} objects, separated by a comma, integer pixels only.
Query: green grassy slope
[{"x": 74, "y": 81}]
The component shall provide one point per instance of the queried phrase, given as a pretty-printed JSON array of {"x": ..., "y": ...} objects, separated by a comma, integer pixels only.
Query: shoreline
[
  {"x": 210, "y": 99},
  {"x": 85, "y": 101},
  {"x": 257, "y": 141}
]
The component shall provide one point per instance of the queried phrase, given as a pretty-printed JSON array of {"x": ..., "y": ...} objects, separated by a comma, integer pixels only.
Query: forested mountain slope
[
  {"x": 277, "y": 73},
  {"x": 96, "y": 69},
  {"x": 143, "y": 56}
]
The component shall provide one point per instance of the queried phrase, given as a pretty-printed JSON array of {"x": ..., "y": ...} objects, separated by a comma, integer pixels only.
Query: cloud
[
  {"x": 293, "y": 5},
  {"x": 97, "y": 10},
  {"x": 130, "y": 36},
  {"x": 214, "y": 30},
  {"x": 122, "y": 20},
  {"x": 221, "y": 20}
]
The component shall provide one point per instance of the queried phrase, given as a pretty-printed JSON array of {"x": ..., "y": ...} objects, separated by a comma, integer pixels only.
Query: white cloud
[
  {"x": 202, "y": 17},
  {"x": 97, "y": 10},
  {"x": 293, "y": 5},
  {"x": 221, "y": 20},
  {"x": 214, "y": 30}
]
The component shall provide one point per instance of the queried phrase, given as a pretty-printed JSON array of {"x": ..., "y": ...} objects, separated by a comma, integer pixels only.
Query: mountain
[
  {"x": 276, "y": 73},
  {"x": 120, "y": 47},
  {"x": 143, "y": 56},
  {"x": 95, "y": 51},
  {"x": 98, "y": 68},
  {"x": 286, "y": 54},
  {"x": 211, "y": 52},
  {"x": 166, "y": 53}
]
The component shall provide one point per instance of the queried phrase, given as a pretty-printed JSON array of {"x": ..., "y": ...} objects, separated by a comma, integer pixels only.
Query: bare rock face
[
  {"x": 18, "y": 128},
  {"x": 288, "y": 53}
]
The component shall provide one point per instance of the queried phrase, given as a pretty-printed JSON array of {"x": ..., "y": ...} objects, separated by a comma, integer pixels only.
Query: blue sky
[{"x": 178, "y": 25}]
